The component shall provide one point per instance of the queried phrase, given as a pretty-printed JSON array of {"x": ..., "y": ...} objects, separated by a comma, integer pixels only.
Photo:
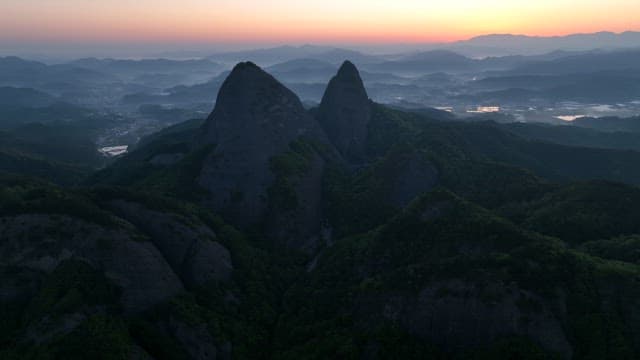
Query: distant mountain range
[
  {"x": 477, "y": 47},
  {"x": 587, "y": 68},
  {"x": 271, "y": 56},
  {"x": 508, "y": 44}
]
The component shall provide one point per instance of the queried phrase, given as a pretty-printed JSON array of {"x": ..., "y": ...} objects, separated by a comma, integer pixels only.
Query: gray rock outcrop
[
  {"x": 345, "y": 112},
  {"x": 41, "y": 242},
  {"x": 255, "y": 119},
  {"x": 189, "y": 248}
]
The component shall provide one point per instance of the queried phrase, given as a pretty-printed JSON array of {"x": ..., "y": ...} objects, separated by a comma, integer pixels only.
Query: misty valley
[
  {"x": 467, "y": 201},
  {"x": 129, "y": 99}
]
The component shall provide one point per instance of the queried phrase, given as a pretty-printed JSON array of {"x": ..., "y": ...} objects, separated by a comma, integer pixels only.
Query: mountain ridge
[{"x": 413, "y": 250}]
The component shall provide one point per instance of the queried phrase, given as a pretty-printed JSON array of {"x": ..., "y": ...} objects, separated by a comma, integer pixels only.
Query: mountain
[
  {"x": 60, "y": 153},
  {"x": 535, "y": 82},
  {"x": 24, "y": 97},
  {"x": 337, "y": 56},
  {"x": 439, "y": 58},
  {"x": 66, "y": 82},
  {"x": 595, "y": 77},
  {"x": 622, "y": 60},
  {"x": 57, "y": 112},
  {"x": 47, "y": 139},
  {"x": 23, "y": 73},
  {"x": 508, "y": 44},
  {"x": 296, "y": 64},
  {"x": 256, "y": 120},
  {"x": 149, "y": 70},
  {"x": 610, "y": 87},
  {"x": 610, "y": 124},
  {"x": 426, "y": 62},
  {"x": 442, "y": 261},
  {"x": 59, "y": 142},
  {"x": 555, "y": 162},
  {"x": 303, "y": 71},
  {"x": 439, "y": 239},
  {"x": 270, "y": 56},
  {"x": 184, "y": 95},
  {"x": 109, "y": 273},
  {"x": 306, "y": 77},
  {"x": 576, "y": 135},
  {"x": 345, "y": 112},
  {"x": 145, "y": 65},
  {"x": 100, "y": 83},
  {"x": 444, "y": 60},
  {"x": 18, "y": 67}
]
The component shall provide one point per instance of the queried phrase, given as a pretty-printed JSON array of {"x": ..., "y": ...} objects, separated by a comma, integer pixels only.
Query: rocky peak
[
  {"x": 255, "y": 119},
  {"x": 349, "y": 73},
  {"x": 345, "y": 112},
  {"x": 252, "y": 100}
]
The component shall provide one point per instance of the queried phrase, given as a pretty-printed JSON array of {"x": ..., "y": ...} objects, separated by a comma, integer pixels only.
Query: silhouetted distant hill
[
  {"x": 24, "y": 97},
  {"x": 303, "y": 71},
  {"x": 577, "y": 134},
  {"x": 585, "y": 63},
  {"x": 18, "y": 72},
  {"x": 609, "y": 88},
  {"x": 11, "y": 116},
  {"x": 508, "y": 44},
  {"x": 270, "y": 56},
  {"x": 131, "y": 69},
  {"x": 426, "y": 62},
  {"x": 297, "y": 64},
  {"x": 59, "y": 152},
  {"x": 611, "y": 123},
  {"x": 452, "y": 61}
]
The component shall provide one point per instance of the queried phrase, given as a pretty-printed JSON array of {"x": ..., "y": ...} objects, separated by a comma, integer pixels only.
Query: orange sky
[{"x": 326, "y": 21}]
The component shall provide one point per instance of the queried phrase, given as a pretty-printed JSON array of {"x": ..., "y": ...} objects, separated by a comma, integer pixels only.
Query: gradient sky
[{"x": 302, "y": 21}]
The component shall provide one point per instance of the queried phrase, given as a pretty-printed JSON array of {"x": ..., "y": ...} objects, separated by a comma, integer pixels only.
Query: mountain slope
[
  {"x": 256, "y": 119},
  {"x": 345, "y": 112},
  {"x": 110, "y": 273},
  {"x": 576, "y": 136},
  {"x": 510, "y": 44},
  {"x": 446, "y": 275},
  {"x": 445, "y": 240}
]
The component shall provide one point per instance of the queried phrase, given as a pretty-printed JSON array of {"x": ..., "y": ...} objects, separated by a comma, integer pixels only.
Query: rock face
[
  {"x": 299, "y": 226},
  {"x": 255, "y": 119},
  {"x": 190, "y": 249},
  {"x": 345, "y": 112},
  {"x": 40, "y": 242}
]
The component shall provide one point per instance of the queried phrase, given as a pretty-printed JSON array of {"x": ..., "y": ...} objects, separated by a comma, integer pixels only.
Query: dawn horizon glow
[{"x": 284, "y": 21}]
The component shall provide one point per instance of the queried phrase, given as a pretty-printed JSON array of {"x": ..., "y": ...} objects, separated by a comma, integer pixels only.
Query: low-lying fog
[{"x": 120, "y": 101}]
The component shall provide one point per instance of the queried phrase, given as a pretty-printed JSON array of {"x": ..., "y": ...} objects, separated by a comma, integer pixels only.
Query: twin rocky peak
[
  {"x": 255, "y": 120},
  {"x": 251, "y": 103}
]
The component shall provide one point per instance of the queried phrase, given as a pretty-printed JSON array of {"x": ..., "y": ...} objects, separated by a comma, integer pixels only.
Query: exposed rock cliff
[
  {"x": 256, "y": 119},
  {"x": 190, "y": 249},
  {"x": 41, "y": 242},
  {"x": 345, "y": 112}
]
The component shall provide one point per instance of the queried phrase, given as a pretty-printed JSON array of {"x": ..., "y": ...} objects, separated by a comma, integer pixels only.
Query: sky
[{"x": 184, "y": 24}]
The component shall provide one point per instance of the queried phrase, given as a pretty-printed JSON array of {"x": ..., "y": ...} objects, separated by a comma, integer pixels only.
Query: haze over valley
[{"x": 134, "y": 97}]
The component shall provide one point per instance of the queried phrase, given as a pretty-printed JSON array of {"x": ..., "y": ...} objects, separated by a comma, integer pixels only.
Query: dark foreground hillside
[{"x": 351, "y": 230}]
